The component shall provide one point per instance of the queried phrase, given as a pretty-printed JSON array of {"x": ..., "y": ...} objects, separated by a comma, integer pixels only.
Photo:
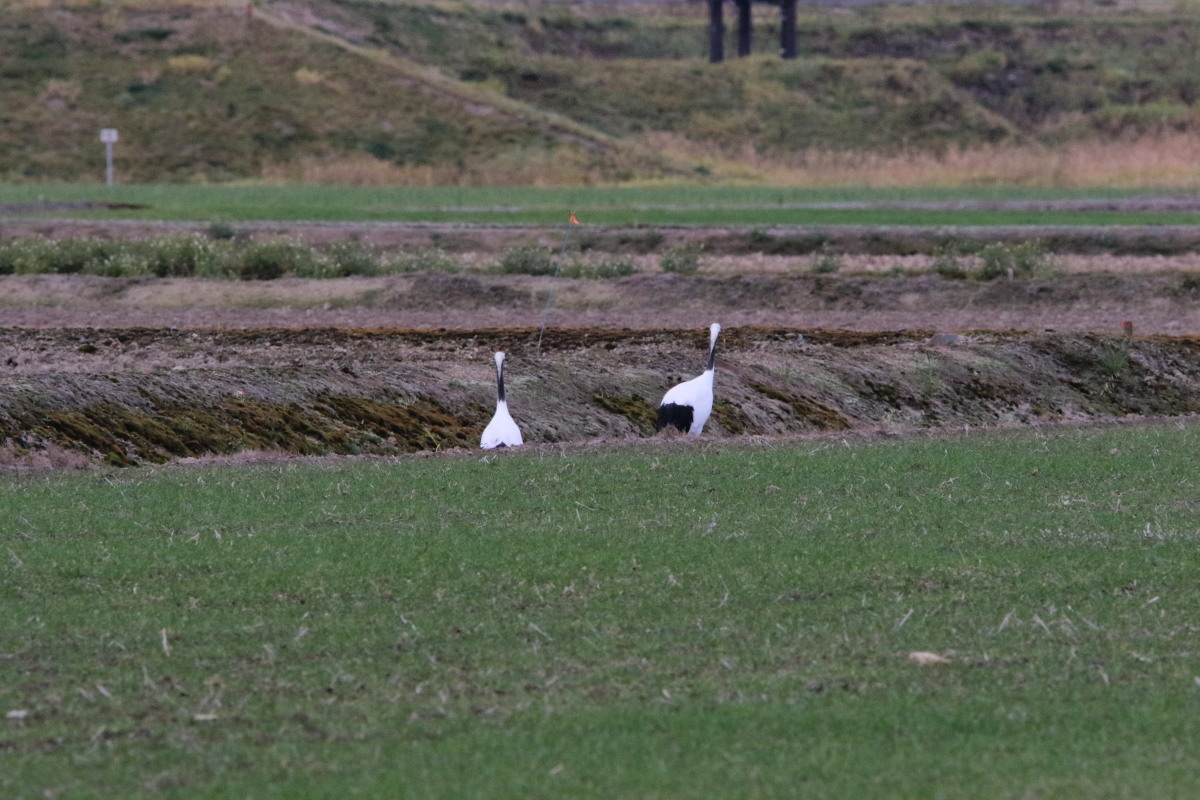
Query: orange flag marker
[{"x": 573, "y": 220}]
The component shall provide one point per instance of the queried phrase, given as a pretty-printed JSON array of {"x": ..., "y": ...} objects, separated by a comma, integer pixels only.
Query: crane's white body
[
  {"x": 501, "y": 431},
  {"x": 696, "y": 395}
]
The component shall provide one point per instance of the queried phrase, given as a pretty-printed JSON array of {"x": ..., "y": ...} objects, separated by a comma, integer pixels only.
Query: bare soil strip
[{"x": 1156, "y": 298}]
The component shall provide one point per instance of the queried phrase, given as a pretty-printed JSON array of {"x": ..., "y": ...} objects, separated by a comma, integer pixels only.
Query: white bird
[
  {"x": 687, "y": 405},
  {"x": 501, "y": 431}
]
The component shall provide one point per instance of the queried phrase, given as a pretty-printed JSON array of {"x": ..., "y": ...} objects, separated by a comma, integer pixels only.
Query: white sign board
[{"x": 108, "y": 135}]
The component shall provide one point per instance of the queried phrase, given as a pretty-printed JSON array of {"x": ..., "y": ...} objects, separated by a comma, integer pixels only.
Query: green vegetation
[
  {"x": 949, "y": 261},
  {"x": 205, "y": 94},
  {"x": 754, "y": 207},
  {"x": 827, "y": 262},
  {"x": 683, "y": 259},
  {"x": 528, "y": 260},
  {"x": 196, "y": 256},
  {"x": 715, "y": 620},
  {"x": 1020, "y": 260},
  {"x": 957, "y": 260},
  {"x": 544, "y": 93},
  {"x": 214, "y": 256},
  {"x": 870, "y": 78}
]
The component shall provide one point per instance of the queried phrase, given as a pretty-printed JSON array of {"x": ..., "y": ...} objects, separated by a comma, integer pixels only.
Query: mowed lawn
[{"x": 668, "y": 620}]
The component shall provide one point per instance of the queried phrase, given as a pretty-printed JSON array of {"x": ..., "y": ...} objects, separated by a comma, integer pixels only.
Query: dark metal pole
[
  {"x": 745, "y": 31},
  {"x": 787, "y": 33},
  {"x": 716, "y": 32}
]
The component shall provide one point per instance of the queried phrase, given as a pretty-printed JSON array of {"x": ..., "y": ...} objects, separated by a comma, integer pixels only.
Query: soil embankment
[{"x": 130, "y": 396}]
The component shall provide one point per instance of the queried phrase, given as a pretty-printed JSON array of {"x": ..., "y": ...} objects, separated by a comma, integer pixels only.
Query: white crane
[
  {"x": 501, "y": 431},
  {"x": 687, "y": 405}
]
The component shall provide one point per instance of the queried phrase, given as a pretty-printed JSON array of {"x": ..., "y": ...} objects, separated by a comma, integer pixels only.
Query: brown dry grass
[
  {"x": 1165, "y": 160},
  {"x": 44, "y": 455}
]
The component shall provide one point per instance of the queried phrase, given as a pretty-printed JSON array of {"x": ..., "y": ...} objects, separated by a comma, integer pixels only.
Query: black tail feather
[{"x": 675, "y": 415}]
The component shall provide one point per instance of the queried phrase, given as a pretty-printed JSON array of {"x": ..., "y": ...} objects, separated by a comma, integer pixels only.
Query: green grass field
[
  {"x": 720, "y": 619},
  {"x": 661, "y": 205}
]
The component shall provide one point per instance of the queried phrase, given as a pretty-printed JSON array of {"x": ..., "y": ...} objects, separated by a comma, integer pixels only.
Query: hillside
[
  {"x": 449, "y": 92},
  {"x": 207, "y": 94}
]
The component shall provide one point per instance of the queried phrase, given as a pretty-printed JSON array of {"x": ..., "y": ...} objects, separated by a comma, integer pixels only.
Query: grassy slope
[
  {"x": 208, "y": 95},
  {"x": 717, "y": 621},
  {"x": 556, "y": 94},
  {"x": 874, "y": 77}
]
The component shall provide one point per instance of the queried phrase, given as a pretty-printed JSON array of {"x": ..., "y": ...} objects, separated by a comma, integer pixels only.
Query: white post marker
[{"x": 108, "y": 136}]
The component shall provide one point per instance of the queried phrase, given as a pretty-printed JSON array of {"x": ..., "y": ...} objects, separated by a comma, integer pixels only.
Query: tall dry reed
[{"x": 1166, "y": 160}]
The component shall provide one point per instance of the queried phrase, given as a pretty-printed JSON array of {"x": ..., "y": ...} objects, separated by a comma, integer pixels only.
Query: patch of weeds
[
  {"x": 352, "y": 258},
  {"x": 1024, "y": 259},
  {"x": 527, "y": 260},
  {"x": 1113, "y": 360},
  {"x": 426, "y": 259},
  {"x": 788, "y": 245},
  {"x": 615, "y": 267},
  {"x": 682, "y": 259},
  {"x": 182, "y": 257},
  {"x": 827, "y": 263},
  {"x": 71, "y": 256},
  {"x": 1189, "y": 283},
  {"x": 265, "y": 261},
  {"x": 25, "y": 257},
  {"x": 759, "y": 241},
  {"x": 948, "y": 261},
  {"x": 156, "y": 34},
  {"x": 221, "y": 231},
  {"x": 642, "y": 243},
  {"x": 122, "y": 261},
  {"x": 162, "y": 256},
  {"x": 928, "y": 378}
]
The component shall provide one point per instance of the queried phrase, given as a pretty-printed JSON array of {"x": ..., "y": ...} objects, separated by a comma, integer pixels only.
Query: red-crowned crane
[
  {"x": 688, "y": 405},
  {"x": 501, "y": 431}
]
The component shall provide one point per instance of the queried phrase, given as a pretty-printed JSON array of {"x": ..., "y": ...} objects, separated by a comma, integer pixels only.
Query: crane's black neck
[
  {"x": 712, "y": 356},
  {"x": 500, "y": 382}
]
